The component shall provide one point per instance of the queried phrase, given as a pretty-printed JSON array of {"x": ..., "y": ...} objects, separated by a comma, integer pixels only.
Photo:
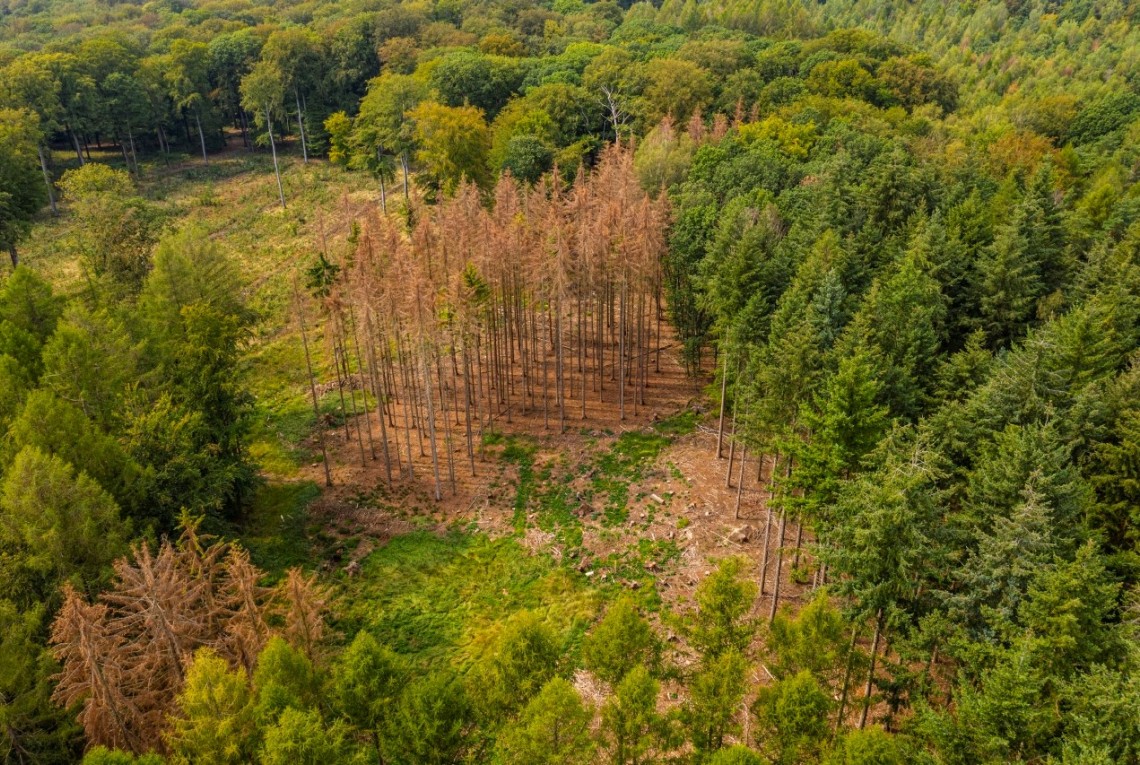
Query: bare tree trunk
[
  {"x": 75, "y": 143},
  {"x": 559, "y": 383},
  {"x": 467, "y": 405},
  {"x": 404, "y": 165},
  {"x": 740, "y": 479},
  {"x": 163, "y": 145},
  {"x": 779, "y": 567},
  {"x": 301, "y": 125},
  {"x": 14, "y": 255},
  {"x": 768, "y": 522},
  {"x": 273, "y": 148},
  {"x": 312, "y": 385},
  {"x": 799, "y": 542},
  {"x": 378, "y": 392},
  {"x": 431, "y": 428},
  {"x": 383, "y": 194},
  {"x": 340, "y": 389},
  {"x": 446, "y": 427},
  {"x": 363, "y": 387},
  {"x": 352, "y": 395},
  {"x": 846, "y": 679},
  {"x": 47, "y": 179},
  {"x": 621, "y": 355},
  {"x": 871, "y": 670},
  {"x": 731, "y": 449},
  {"x": 723, "y": 392},
  {"x": 134, "y": 156},
  {"x": 243, "y": 123},
  {"x": 201, "y": 136}
]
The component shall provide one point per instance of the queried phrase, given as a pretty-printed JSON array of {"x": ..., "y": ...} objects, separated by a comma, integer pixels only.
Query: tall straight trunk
[
  {"x": 352, "y": 394},
  {"x": 768, "y": 527},
  {"x": 559, "y": 383},
  {"x": 431, "y": 428},
  {"x": 723, "y": 393},
  {"x": 134, "y": 156},
  {"x": 301, "y": 125},
  {"x": 871, "y": 670},
  {"x": 407, "y": 413},
  {"x": 404, "y": 165},
  {"x": 201, "y": 136},
  {"x": 163, "y": 145},
  {"x": 779, "y": 567},
  {"x": 799, "y": 542},
  {"x": 846, "y": 685},
  {"x": 467, "y": 405},
  {"x": 731, "y": 449},
  {"x": 363, "y": 387},
  {"x": 47, "y": 179},
  {"x": 273, "y": 148},
  {"x": 75, "y": 143},
  {"x": 383, "y": 192},
  {"x": 14, "y": 255},
  {"x": 740, "y": 479},
  {"x": 126, "y": 159},
  {"x": 583, "y": 331},
  {"x": 313, "y": 386},
  {"x": 378, "y": 392},
  {"x": 340, "y": 389},
  {"x": 546, "y": 383},
  {"x": 446, "y": 427},
  {"x": 621, "y": 356},
  {"x": 657, "y": 311}
]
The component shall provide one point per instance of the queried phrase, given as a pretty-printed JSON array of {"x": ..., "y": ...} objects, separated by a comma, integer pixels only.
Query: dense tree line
[
  {"x": 519, "y": 702},
  {"x": 924, "y": 334},
  {"x": 121, "y": 409}
]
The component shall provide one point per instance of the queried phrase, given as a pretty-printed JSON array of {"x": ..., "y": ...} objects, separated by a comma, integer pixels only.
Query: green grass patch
[
  {"x": 679, "y": 424},
  {"x": 520, "y": 451},
  {"x": 624, "y": 463},
  {"x": 441, "y": 598},
  {"x": 276, "y": 530},
  {"x": 555, "y": 509}
]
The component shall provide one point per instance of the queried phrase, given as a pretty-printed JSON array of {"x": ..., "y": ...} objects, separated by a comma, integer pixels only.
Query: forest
[{"x": 426, "y": 382}]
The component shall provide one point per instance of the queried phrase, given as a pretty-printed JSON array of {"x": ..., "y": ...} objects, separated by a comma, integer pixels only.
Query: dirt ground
[{"x": 682, "y": 497}]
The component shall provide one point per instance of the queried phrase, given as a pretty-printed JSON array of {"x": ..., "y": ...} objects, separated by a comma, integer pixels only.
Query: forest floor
[{"x": 559, "y": 522}]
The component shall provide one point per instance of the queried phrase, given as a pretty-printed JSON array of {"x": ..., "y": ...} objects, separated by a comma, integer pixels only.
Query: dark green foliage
[
  {"x": 792, "y": 718},
  {"x": 56, "y": 526},
  {"x": 33, "y": 723},
  {"x": 622, "y": 641},
  {"x": 306, "y": 739},
  {"x": 554, "y": 727},
  {"x": 716, "y": 693},
  {"x": 283, "y": 679},
  {"x": 365, "y": 683},
  {"x": 722, "y": 623},
  {"x": 430, "y": 721},
  {"x": 523, "y": 658}
]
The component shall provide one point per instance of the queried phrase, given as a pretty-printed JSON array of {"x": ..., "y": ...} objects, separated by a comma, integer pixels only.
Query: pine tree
[
  {"x": 622, "y": 641},
  {"x": 630, "y": 721},
  {"x": 554, "y": 727},
  {"x": 214, "y": 719},
  {"x": 716, "y": 693}
]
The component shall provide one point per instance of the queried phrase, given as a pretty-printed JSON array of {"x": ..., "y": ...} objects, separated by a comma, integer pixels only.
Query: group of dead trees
[
  {"x": 545, "y": 299},
  {"x": 124, "y": 654}
]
